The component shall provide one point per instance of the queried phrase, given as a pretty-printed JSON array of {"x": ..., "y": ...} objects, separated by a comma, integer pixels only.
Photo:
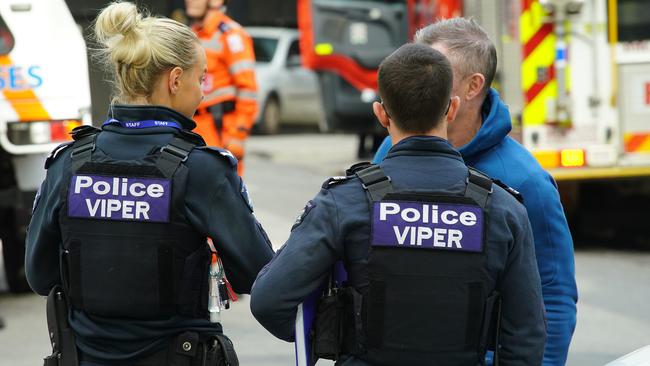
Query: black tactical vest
[
  {"x": 431, "y": 298},
  {"x": 128, "y": 249}
]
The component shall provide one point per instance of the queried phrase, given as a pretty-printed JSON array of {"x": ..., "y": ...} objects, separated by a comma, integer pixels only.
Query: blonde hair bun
[
  {"x": 137, "y": 48},
  {"x": 118, "y": 19}
]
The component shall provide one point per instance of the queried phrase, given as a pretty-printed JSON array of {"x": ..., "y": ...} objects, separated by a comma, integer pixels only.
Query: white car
[{"x": 288, "y": 93}]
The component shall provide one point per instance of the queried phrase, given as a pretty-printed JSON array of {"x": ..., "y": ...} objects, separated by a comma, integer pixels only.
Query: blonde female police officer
[{"x": 124, "y": 212}]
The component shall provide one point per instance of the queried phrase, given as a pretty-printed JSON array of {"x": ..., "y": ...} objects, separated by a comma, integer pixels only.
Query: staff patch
[
  {"x": 428, "y": 225},
  {"x": 119, "y": 198}
]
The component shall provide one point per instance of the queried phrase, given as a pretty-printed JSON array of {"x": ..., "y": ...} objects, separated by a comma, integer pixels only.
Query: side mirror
[{"x": 294, "y": 61}]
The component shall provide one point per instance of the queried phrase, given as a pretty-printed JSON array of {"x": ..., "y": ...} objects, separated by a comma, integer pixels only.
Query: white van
[{"x": 44, "y": 94}]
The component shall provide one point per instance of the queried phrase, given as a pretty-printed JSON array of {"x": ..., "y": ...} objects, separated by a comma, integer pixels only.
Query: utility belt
[
  {"x": 338, "y": 327},
  {"x": 187, "y": 349}
]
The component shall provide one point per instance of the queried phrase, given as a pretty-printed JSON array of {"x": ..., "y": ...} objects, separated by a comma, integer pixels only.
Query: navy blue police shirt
[
  {"x": 336, "y": 225},
  {"x": 216, "y": 205}
]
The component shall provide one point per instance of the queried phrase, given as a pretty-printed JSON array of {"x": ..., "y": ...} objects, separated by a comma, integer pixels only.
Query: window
[
  {"x": 293, "y": 56},
  {"x": 6, "y": 39},
  {"x": 294, "y": 49},
  {"x": 633, "y": 21},
  {"x": 264, "y": 48}
]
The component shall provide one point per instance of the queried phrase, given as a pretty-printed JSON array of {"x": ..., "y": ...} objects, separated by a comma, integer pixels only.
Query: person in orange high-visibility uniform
[{"x": 226, "y": 114}]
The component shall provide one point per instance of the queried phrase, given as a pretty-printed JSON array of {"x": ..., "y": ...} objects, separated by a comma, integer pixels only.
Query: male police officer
[
  {"x": 426, "y": 243},
  {"x": 226, "y": 115},
  {"x": 480, "y": 132}
]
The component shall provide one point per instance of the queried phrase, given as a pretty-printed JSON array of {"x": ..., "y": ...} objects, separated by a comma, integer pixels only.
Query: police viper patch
[
  {"x": 305, "y": 211},
  {"x": 427, "y": 225},
  {"x": 119, "y": 198}
]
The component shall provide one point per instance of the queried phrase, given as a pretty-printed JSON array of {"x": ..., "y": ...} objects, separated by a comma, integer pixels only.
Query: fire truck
[
  {"x": 576, "y": 77},
  {"x": 344, "y": 42},
  {"x": 44, "y": 94}
]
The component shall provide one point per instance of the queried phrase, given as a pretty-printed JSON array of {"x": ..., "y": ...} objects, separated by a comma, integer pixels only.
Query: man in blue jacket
[{"x": 480, "y": 132}]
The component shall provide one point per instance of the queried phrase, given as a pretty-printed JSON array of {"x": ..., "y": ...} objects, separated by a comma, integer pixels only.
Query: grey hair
[{"x": 470, "y": 50}]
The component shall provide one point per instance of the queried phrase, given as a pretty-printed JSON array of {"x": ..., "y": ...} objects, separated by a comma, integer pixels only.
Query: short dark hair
[
  {"x": 468, "y": 45},
  {"x": 415, "y": 86}
]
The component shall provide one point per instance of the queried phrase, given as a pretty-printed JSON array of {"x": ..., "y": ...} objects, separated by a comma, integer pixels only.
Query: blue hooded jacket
[{"x": 499, "y": 156}]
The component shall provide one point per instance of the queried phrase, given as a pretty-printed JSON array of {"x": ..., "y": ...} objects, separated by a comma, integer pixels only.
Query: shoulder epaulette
[
  {"x": 56, "y": 153},
  {"x": 515, "y": 193},
  {"x": 82, "y": 131},
  {"x": 357, "y": 167},
  {"x": 334, "y": 181},
  {"x": 193, "y": 137},
  {"x": 221, "y": 152}
]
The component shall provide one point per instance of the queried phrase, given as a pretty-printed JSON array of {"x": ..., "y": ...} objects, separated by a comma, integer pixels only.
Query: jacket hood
[{"x": 496, "y": 126}]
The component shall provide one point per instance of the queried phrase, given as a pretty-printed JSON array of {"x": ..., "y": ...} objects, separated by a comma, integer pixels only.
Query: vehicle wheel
[
  {"x": 13, "y": 252},
  {"x": 271, "y": 116}
]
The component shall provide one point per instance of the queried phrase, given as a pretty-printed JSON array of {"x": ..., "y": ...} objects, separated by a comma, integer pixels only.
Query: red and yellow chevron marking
[
  {"x": 538, "y": 80},
  {"x": 637, "y": 142},
  {"x": 24, "y": 102}
]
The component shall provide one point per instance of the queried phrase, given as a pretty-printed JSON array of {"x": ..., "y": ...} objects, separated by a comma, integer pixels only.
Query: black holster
[
  {"x": 337, "y": 326},
  {"x": 193, "y": 349},
  {"x": 64, "y": 349},
  {"x": 491, "y": 326}
]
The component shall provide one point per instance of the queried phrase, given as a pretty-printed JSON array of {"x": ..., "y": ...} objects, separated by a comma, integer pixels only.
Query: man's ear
[
  {"x": 454, "y": 104},
  {"x": 381, "y": 115},
  {"x": 175, "y": 80},
  {"x": 475, "y": 85}
]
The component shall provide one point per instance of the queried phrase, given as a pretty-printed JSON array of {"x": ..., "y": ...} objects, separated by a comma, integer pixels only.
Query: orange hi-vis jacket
[{"x": 230, "y": 78}]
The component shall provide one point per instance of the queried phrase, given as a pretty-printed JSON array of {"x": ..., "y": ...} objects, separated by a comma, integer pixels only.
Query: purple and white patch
[
  {"x": 119, "y": 198},
  {"x": 427, "y": 225}
]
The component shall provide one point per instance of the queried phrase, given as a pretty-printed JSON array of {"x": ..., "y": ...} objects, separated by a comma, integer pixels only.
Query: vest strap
[
  {"x": 82, "y": 150},
  {"x": 375, "y": 181},
  {"x": 479, "y": 187},
  {"x": 173, "y": 154}
]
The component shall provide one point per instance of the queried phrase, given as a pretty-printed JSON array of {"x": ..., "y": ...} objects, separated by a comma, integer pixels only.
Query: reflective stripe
[
  {"x": 241, "y": 66},
  {"x": 24, "y": 102},
  {"x": 538, "y": 81},
  {"x": 220, "y": 92},
  {"x": 247, "y": 94},
  {"x": 213, "y": 43}
]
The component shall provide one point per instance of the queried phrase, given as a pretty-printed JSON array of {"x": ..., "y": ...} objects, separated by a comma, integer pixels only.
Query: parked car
[{"x": 288, "y": 92}]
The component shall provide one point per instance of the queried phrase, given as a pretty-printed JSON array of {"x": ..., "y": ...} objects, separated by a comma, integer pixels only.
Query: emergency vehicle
[
  {"x": 44, "y": 94},
  {"x": 344, "y": 42},
  {"x": 576, "y": 77}
]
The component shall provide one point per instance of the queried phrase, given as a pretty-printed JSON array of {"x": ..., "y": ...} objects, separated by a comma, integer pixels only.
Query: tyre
[{"x": 271, "y": 116}]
